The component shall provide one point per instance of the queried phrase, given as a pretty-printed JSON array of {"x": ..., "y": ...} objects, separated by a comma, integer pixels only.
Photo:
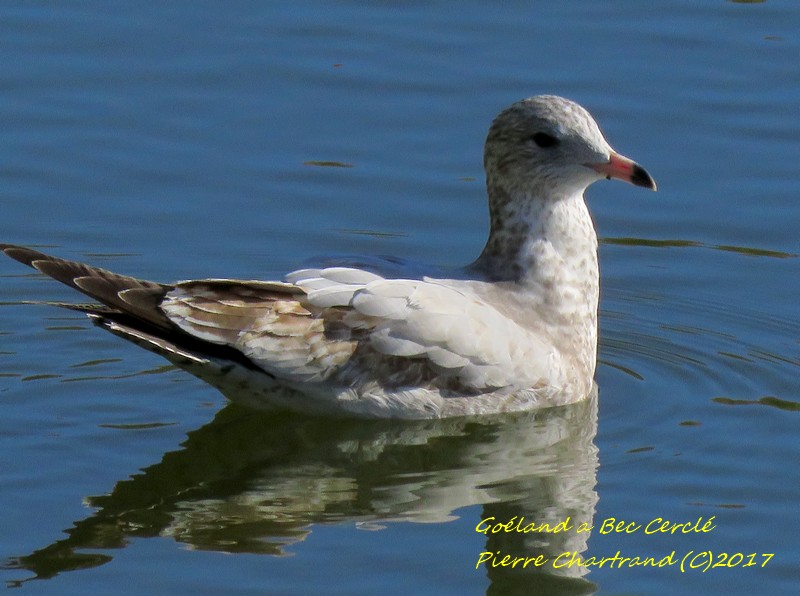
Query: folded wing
[{"x": 355, "y": 328}]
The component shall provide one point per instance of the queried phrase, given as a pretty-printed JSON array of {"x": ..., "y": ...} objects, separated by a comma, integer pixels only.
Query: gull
[{"x": 514, "y": 330}]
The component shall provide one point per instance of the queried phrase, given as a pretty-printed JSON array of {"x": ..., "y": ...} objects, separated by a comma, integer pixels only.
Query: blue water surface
[{"x": 198, "y": 139}]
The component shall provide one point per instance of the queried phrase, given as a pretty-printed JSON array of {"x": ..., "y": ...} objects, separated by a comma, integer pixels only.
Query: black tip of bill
[{"x": 640, "y": 177}]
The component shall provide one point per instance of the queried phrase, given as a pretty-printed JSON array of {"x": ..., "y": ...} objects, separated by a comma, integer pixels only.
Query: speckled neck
[{"x": 526, "y": 235}]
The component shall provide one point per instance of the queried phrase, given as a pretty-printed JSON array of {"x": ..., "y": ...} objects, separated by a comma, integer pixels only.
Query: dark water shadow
[
  {"x": 251, "y": 482},
  {"x": 675, "y": 243}
]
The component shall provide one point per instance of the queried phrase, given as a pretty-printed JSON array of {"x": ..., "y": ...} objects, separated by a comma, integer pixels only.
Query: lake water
[{"x": 179, "y": 140}]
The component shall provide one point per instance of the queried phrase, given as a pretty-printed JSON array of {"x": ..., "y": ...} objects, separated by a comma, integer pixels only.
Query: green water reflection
[{"x": 251, "y": 482}]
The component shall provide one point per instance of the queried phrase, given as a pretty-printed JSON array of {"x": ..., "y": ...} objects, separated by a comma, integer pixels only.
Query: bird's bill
[{"x": 620, "y": 167}]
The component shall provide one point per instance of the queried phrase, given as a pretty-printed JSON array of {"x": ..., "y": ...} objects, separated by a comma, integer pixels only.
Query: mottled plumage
[{"x": 516, "y": 329}]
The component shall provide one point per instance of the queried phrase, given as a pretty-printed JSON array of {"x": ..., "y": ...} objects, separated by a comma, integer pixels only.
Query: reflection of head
[{"x": 558, "y": 488}]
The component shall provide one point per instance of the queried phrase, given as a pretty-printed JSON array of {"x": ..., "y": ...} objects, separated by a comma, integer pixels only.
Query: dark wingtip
[
  {"x": 26, "y": 256},
  {"x": 640, "y": 177}
]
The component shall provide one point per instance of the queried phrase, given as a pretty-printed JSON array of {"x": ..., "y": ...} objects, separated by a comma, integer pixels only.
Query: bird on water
[{"x": 514, "y": 330}]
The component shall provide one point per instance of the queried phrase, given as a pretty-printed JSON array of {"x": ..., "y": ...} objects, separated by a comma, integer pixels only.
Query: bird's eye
[{"x": 542, "y": 139}]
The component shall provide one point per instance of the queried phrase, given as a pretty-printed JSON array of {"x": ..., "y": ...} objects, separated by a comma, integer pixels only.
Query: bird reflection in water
[{"x": 235, "y": 488}]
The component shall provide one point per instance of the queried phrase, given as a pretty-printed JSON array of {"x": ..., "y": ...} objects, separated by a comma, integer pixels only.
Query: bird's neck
[
  {"x": 533, "y": 241},
  {"x": 548, "y": 250}
]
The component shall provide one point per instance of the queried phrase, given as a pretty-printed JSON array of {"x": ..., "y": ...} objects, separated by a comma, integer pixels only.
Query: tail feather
[
  {"x": 129, "y": 308},
  {"x": 137, "y": 297}
]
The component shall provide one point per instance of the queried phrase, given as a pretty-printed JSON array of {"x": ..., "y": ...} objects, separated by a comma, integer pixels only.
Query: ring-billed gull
[{"x": 515, "y": 330}]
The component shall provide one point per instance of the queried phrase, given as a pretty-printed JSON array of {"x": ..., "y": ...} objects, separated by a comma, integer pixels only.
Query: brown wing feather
[{"x": 269, "y": 322}]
